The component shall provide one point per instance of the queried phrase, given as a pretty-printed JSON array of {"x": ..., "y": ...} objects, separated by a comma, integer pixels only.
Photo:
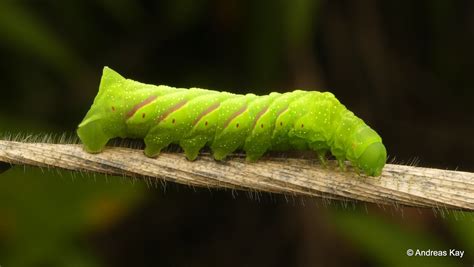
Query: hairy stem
[{"x": 398, "y": 184}]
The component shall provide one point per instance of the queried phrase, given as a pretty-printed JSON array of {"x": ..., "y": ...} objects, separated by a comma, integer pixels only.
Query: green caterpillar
[{"x": 193, "y": 118}]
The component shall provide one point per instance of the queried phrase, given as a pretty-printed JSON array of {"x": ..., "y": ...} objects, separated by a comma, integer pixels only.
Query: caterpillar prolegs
[{"x": 194, "y": 118}]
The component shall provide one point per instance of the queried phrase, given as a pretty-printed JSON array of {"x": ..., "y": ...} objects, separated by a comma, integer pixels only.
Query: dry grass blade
[{"x": 398, "y": 185}]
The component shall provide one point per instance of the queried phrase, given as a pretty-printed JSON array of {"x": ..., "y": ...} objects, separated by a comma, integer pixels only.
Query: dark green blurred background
[{"x": 405, "y": 67}]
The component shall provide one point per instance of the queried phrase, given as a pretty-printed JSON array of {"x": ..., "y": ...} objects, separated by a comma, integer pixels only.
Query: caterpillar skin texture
[{"x": 193, "y": 118}]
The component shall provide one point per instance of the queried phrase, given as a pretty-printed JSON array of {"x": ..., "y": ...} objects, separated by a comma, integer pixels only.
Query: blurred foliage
[
  {"x": 386, "y": 243},
  {"x": 404, "y": 66},
  {"x": 45, "y": 216},
  {"x": 21, "y": 30}
]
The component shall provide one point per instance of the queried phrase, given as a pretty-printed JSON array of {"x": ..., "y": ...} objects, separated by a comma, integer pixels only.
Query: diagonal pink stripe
[
  {"x": 205, "y": 112},
  {"x": 172, "y": 109},
  {"x": 140, "y": 105},
  {"x": 237, "y": 113}
]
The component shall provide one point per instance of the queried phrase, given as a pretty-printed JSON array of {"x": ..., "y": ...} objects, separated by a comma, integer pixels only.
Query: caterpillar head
[
  {"x": 103, "y": 121},
  {"x": 370, "y": 153},
  {"x": 373, "y": 159}
]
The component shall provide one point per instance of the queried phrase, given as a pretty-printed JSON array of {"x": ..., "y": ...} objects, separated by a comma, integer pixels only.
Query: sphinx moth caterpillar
[{"x": 194, "y": 118}]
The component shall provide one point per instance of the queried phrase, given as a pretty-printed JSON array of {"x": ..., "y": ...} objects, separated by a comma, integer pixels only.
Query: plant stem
[{"x": 398, "y": 184}]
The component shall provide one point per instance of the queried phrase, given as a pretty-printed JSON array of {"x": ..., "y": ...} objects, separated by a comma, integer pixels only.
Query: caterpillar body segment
[{"x": 194, "y": 118}]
